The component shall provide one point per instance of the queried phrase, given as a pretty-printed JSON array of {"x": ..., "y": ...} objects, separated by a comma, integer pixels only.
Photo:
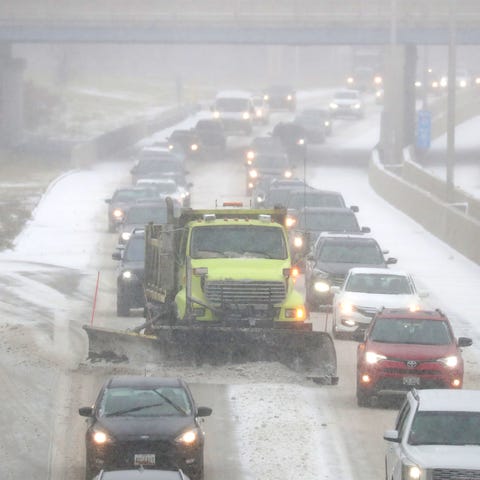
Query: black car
[
  {"x": 187, "y": 140},
  {"x": 293, "y": 138},
  {"x": 332, "y": 257},
  {"x": 281, "y": 97},
  {"x": 266, "y": 167},
  {"x": 140, "y": 214},
  {"x": 130, "y": 275},
  {"x": 310, "y": 222},
  {"x": 166, "y": 165},
  {"x": 151, "y": 422},
  {"x": 121, "y": 201},
  {"x": 141, "y": 474},
  {"x": 317, "y": 124},
  {"x": 212, "y": 135},
  {"x": 263, "y": 145}
]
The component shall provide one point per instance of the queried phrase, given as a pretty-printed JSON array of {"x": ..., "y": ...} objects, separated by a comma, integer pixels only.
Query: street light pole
[{"x": 452, "y": 80}]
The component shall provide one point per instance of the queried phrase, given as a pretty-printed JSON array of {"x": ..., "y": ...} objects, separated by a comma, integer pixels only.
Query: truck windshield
[{"x": 235, "y": 241}]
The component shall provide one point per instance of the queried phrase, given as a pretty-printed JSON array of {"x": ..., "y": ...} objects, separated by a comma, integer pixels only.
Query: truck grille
[
  {"x": 245, "y": 292},
  {"x": 449, "y": 474}
]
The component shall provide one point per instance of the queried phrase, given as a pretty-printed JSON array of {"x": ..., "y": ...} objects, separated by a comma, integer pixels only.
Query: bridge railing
[{"x": 243, "y": 12}]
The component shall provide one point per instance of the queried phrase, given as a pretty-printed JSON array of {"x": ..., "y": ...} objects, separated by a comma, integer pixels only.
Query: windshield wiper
[
  {"x": 133, "y": 409},
  {"x": 173, "y": 404}
]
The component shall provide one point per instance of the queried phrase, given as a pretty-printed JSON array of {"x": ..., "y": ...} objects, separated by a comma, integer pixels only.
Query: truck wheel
[{"x": 123, "y": 307}]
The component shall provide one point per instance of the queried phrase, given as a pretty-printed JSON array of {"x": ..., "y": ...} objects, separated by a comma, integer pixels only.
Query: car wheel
[{"x": 123, "y": 307}]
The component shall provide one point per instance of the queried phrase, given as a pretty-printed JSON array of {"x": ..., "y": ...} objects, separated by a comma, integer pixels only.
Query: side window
[{"x": 402, "y": 419}]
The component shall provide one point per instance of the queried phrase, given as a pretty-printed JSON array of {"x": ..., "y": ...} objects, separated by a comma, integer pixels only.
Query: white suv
[{"x": 436, "y": 437}]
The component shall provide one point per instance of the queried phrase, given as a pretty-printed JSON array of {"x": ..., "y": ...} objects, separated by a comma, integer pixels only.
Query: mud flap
[{"x": 307, "y": 352}]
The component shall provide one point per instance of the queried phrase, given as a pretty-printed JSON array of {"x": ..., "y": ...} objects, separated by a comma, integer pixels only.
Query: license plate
[
  {"x": 144, "y": 459},
  {"x": 411, "y": 381}
]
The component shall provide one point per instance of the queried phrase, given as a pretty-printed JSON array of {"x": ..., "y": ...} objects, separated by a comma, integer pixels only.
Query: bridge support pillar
[
  {"x": 11, "y": 98},
  {"x": 398, "y": 118}
]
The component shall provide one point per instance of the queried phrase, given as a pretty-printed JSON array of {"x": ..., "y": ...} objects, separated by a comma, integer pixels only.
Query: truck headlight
[
  {"x": 350, "y": 80},
  {"x": 287, "y": 173},
  {"x": 356, "y": 106},
  {"x": 321, "y": 286},
  {"x": 253, "y": 173},
  {"x": 245, "y": 115},
  {"x": 450, "y": 362},
  {"x": 289, "y": 98},
  {"x": 266, "y": 97},
  {"x": 298, "y": 242},
  {"x": 411, "y": 472},
  {"x": 301, "y": 141},
  {"x": 250, "y": 155},
  {"x": 126, "y": 236},
  {"x": 193, "y": 147},
  {"x": 216, "y": 114},
  {"x": 296, "y": 313},
  {"x": 333, "y": 106}
]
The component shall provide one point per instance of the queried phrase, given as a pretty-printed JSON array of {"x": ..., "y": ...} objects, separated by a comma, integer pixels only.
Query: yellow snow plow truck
[{"x": 220, "y": 288}]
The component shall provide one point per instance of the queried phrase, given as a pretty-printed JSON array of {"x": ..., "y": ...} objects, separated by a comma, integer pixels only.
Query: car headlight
[
  {"x": 127, "y": 274},
  {"x": 289, "y": 98},
  {"x": 477, "y": 81},
  {"x": 253, "y": 173},
  {"x": 117, "y": 213},
  {"x": 258, "y": 112},
  {"x": 356, "y": 106},
  {"x": 100, "y": 437},
  {"x": 327, "y": 123},
  {"x": 298, "y": 242},
  {"x": 287, "y": 173},
  {"x": 301, "y": 141},
  {"x": 193, "y": 147},
  {"x": 350, "y": 80},
  {"x": 435, "y": 84},
  {"x": 346, "y": 308},
  {"x": 450, "y": 362},
  {"x": 321, "y": 286},
  {"x": 414, "y": 307},
  {"x": 245, "y": 115},
  {"x": 189, "y": 437},
  {"x": 125, "y": 236},
  {"x": 250, "y": 155},
  {"x": 372, "y": 357},
  {"x": 266, "y": 97},
  {"x": 333, "y": 106},
  {"x": 418, "y": 84},
  {"x": 443, "y": 82},
  {"x": 411, "y": 472},
  {"x": 378, "y": 80},
  {"x": 216, "y": 114},
  {"x": 463, "y": 83}
]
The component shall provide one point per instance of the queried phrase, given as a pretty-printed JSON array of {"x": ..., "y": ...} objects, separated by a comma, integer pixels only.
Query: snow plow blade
[{"x": 305, "y": 351}]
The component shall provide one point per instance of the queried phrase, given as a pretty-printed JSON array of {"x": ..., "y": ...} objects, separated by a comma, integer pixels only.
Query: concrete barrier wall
[
  {"x": 460, "y": 231},
  {"x": 413, "y": 173},
  {"x": 109, "y": 143}
]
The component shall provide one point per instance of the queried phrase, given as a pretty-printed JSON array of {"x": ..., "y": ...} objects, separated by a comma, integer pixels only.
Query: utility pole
[{"x": 452, "y": 80}]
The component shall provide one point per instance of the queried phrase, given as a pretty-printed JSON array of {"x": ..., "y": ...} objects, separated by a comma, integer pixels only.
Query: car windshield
[
  {"x": 346, "y": 95},
  {"x": 238, "y": 241},
  {"x": 269, "y": 161},
  {"x": 315, "y": 199},
  {"x": 384, "y": 284},
  {"x": 366, "y": 253},
  {"x": 135, "y": 249},
  {"x": 328, "y": 221},
  {"x": 127, "y": 196},
  {"x": 207, "y": 126},
  {"x": 141, "y": 215},
  {"x": 411, "y": 331},
  {"x": 138, "y": 402},
  {"x": 231, "y": 104},
  {"x": 445, "y": 428}
]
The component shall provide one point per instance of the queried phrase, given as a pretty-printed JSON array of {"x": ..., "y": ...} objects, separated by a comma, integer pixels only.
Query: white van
[{"x": 236, "y": 111}]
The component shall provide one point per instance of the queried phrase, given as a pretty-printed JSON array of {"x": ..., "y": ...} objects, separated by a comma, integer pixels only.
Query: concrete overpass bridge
[{"x": 401, "y": 24}]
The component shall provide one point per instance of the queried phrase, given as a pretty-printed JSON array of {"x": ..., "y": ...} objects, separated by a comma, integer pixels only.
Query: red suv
[{"x": 403, "y": 349}]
